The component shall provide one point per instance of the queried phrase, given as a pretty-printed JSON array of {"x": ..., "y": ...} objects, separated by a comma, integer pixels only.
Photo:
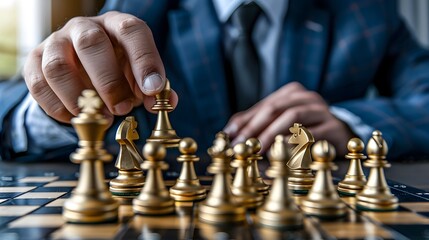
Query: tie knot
[{"x": 244, "y": 17}]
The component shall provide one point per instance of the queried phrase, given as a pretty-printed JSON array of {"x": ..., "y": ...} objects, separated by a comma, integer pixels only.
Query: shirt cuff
[
  {"x": 355, "y": 123},
  {"x": 34, "y": 132}
]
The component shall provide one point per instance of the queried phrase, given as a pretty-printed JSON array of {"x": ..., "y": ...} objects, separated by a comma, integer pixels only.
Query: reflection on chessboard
[{"x": 31, "y": 208}]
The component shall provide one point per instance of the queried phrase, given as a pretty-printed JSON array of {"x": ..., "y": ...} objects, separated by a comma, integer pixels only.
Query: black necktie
[{"x": 244, "y": 59}]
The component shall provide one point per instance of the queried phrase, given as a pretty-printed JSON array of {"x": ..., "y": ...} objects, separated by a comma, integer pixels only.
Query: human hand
[
  {"x": 114, "y": 53},
  {"x": 276, "y": 113}
]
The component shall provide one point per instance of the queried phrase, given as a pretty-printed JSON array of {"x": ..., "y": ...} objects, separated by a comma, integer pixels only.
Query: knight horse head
[{"x": 303, "y": 139}]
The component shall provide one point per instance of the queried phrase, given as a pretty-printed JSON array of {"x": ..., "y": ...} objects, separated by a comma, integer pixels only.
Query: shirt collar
[{"x": 273, "y": 9}]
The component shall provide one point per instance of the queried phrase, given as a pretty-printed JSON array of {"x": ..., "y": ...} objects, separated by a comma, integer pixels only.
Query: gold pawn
[
  {"x": 253, "y": 170},
  {"x": 376, "y": 195},
  {"x": 322, "y": 200},
  {"x": 130, "y": 179},
  {"x": 242, "y": 186},
  {"x": 187, "y": 187},
  {"x": 355, "y": 180},
  {"x": 220, "y": 206},
  {"x": 90, "y": 201},
  {"x": 279, "y": 210},
  {"x": 163, "y": 131},
  {"x": 154, "y": 198}
]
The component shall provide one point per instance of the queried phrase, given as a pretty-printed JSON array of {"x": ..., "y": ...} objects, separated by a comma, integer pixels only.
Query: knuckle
[
  {"x": 90, "y": 38},
  {"x": 76, "y": 21},
  {"x": 55, "y": 67},
  {"x": 35, "y": 83},
  {"x": 130, "y": 25}
]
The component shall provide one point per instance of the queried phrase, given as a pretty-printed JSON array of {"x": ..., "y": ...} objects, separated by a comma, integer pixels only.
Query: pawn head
[
  {"x": 355, "y": 145},
  {"x": 254, "y": 144},
  {"x": 241, "y": 151},
  {"x": 154, "y": 151},
  {"x": 279, "y": 151},
  {"x": 188, "y": 146},
  {"x": 323, "y": 151}
]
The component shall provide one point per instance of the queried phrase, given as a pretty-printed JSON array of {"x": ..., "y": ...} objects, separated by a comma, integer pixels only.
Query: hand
[
  {"x": 114, "y": 54},
  {"x": 276, "y": 113}
]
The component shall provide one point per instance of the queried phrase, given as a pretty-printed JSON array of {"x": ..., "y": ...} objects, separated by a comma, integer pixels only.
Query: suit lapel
[
  {"x": 196, "y": 36},
  {"x": 303, "y": 44}
]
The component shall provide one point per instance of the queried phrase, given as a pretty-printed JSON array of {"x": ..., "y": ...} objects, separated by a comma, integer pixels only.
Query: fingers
[
  {"x": 135, "y": 38},
  {"x": 40, "y": 90},
  {"x": 308, "y": 115},
  {"x": 251, "y": 123},
  {"x": 96, "y": 54}
]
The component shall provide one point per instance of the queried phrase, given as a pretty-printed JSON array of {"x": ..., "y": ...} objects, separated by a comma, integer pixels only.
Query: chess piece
[
  {"x": 253, "y": 170},
  {"x": 376, "y": 195},
  {"x": 322, "y": 200},
  {"x": 242, "y": 186},
  {"x": 187, "y": 187},
  {"x": 221, "y": 206},
  {"x": 163, "y": 131},
  {"x": 90, "y": 201},
  {"x": 130, "y": 178},
  {"x": 154, "y": 198},
  {"x": 279, "y": 209},
  {"x": 301, "y": 178},
  {"x": 355, "y": 180}
]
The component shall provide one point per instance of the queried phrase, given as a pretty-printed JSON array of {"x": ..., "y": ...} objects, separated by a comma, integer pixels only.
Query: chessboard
[{"x": 31, "y": 201}]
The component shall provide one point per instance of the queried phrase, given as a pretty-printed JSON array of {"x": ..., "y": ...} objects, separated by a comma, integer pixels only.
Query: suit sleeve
[{"x": 401, "y": 110}]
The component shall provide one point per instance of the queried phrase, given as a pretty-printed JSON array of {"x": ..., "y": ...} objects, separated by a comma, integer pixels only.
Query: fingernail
[
  {"x": 152, "y": 83},
  {"x": 123, "y": 107},
  {"x": 231, "y": 129},
  {"x": 237, "y": 140}
]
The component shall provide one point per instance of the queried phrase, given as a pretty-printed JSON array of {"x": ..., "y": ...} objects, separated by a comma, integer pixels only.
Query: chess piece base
[
  {"x": 326, "y": 209},
  {"x": 350, "y": 188},
  {"x": 284, "y": 219},
  {"x": 185, "y": 190},
  {"x": 376, "y": 202},
  {"x": 222, "y": 214},
  {"x": 128, "y": 183},
  {"x": 300, "y": 180},
  {"x": 80, "y": 209},
  {"x": 261, "y": 187},
  {"x": 153, "y": 207}
]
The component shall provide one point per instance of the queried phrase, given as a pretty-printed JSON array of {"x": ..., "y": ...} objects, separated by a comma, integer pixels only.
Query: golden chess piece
[
  {"x": 130, "y": 178},
  {"x": 355, "y": 180},
  {"x": 301, "y": 177},
  {"x": 376, "y": 195},
  {"x": 154, "y": 198},
  {"x": 322, "y": 200},
  {"x": 279, "y": 209},
  {"x": 90, "y": 201},
  {"x": 163, "y": 131},
  {"x": 188, "y": 187},
  {"x": 253, "y": 170},
  {"x": 221, "y": 206},
  {"x": 242, "y": 186}
]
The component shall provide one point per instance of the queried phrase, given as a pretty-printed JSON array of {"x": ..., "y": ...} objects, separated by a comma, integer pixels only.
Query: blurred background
[{"x": 25, "y": 23}]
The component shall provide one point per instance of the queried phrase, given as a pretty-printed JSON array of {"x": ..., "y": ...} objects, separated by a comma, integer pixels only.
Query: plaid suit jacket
[{"x": 337, "y": 48}]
